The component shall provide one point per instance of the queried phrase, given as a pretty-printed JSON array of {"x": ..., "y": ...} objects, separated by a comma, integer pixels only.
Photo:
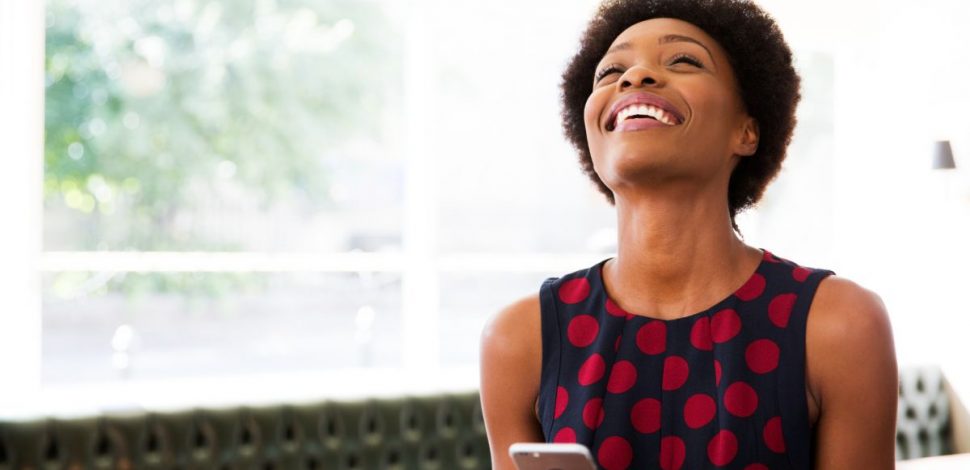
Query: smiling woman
[{"x": 690, "y": 348}]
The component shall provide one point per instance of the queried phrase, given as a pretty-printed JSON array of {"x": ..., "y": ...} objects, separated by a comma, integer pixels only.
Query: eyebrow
[{"x": 663, "y": 40}]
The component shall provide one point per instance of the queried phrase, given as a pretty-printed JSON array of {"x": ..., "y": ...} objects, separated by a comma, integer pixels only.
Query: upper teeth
[{"x": 645, "y": 110}]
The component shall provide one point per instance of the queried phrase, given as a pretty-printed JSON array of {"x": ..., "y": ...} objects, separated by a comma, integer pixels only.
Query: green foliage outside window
[{"x": 154, "y": 108}]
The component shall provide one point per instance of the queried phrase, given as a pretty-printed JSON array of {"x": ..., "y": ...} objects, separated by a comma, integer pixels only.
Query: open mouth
[{"x": 642, "y": 111}]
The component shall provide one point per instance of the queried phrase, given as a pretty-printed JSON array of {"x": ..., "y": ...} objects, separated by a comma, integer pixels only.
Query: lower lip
[{"x": 638, "y": 124}]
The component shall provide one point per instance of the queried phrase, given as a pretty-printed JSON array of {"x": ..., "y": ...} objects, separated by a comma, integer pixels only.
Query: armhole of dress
[
  {"x": 549, "y": 377},
  {"x": 792, "y": 384}
]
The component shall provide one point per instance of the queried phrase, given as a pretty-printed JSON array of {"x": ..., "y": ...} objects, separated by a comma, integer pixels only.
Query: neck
[{"x": 676, "y": 255}]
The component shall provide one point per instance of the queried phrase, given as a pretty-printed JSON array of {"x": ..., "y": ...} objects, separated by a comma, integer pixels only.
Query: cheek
[
  {"x": 589, "y": 113},
  {"x": 713, "y": 104},
  {"x": 591, "y": 116}
]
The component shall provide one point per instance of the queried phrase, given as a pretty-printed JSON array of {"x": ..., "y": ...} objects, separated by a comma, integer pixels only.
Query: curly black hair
[{"x": 763, "y": 69}]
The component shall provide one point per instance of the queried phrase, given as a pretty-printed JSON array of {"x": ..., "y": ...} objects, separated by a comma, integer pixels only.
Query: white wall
[{"x": 899, "y": 228}]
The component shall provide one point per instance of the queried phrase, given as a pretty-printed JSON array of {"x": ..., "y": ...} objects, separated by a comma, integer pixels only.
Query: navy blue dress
[{"x": 721, "y": 388}]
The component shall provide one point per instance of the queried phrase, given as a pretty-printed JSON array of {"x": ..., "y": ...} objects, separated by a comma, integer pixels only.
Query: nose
[{"x": 640, "y": 75}]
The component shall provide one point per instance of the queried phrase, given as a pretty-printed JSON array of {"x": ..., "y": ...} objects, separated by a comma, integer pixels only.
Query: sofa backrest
[
  {"x": 923, "y": 414},
  {"x": 432, "y": 432}
]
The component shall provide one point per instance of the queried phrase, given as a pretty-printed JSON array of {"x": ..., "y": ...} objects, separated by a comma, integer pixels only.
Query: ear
[{"x": 748, "y": 143}]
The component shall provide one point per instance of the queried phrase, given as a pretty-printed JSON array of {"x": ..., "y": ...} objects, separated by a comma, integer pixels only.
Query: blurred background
[{"x": 282, "y": 198}]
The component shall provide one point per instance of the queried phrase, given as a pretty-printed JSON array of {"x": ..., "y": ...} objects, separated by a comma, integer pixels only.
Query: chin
[
  {"x": 638, "y": 156},
  {"x": 634, "y": 167}
]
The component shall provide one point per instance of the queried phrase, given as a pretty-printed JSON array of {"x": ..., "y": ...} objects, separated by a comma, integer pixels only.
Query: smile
[{"x": 641, "y": 111}]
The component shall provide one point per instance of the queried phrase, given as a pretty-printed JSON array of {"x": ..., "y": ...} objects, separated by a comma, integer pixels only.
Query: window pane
[
  {"x": 107, "y": 326},
  {"x": 222, "y": 125},
  {"x": 508, "y": 181}
]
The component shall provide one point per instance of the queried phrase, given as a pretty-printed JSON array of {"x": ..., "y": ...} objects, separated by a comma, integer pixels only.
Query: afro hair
[{"x": 758, "y": 54}]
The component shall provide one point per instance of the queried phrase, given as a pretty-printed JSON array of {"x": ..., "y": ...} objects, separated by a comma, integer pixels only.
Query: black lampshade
[{"x": 943, "y": 156}]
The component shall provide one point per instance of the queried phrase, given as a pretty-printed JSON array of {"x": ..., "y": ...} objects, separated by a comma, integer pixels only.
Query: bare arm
[
  {"x": 511, "y": 362},
  {"x": 852, "y": 354}
]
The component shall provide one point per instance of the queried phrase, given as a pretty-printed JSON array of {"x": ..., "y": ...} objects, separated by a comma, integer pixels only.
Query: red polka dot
[
  {"x": 752, "y": 289},
  {"x": 574, "y": 290},
  {"x": 613, "y": 309},
  {"x": 722, "y": 448},
  {"x": 672, "y": 453},
  {"x": 593, "y": 413},
  {"x": 717, "y": 372},
  {"x": 779, "y": 309},
  {"x": 615, "y": 453},
  {"x": 645, "y": 415},
  {"x": 762, "y": 356},
  {"x": 725, "y": 325},
  {"x": 676, "y": 371},
  {"x": 592, "y": 370},
  {"x": 774, "y": 438},
  {"x": 562, "y": 399},
  {"x": 800, "y": 273},
  {"x": 565, "y": 435},
  {"x": 622, "y": 377},
  {"x": 629, "y": 316},
  {"x": 757, "y": 466},
  {"x": 700, "y": 334},
  {"x": 740, "y": 399},
  {"x": 699, "y": 410},
  {"x": 770, "y": 257},
  {"x": 652, "y": 337},
  {"x": 582, "y": 330}
]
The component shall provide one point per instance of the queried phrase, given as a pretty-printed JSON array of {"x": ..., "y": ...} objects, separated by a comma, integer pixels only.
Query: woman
[{"x": 690, "y": 348}]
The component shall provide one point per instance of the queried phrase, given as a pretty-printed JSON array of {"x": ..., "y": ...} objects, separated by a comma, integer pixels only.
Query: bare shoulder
[
  {"x": 515, "y": 328},
  {"x": 848, "y": 328},
  {"x": 843, "y": 307},
  {"x": 853, "y": 374}
]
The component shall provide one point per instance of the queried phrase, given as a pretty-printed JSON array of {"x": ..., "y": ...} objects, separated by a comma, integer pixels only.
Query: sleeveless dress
[{"x": 721, "y": 388}]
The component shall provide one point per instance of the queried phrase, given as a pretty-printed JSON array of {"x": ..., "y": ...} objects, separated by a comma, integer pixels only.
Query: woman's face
[{"x": 672, "y": 65}]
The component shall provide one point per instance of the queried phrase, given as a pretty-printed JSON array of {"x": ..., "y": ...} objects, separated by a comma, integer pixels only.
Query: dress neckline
[{"x": 601, "y": 284}]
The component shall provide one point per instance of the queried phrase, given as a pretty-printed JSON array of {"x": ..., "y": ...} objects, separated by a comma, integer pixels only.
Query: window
[{"x": 206, "y": 166}]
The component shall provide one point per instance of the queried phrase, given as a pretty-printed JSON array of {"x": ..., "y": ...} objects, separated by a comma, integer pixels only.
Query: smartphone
[{"x": 542, "y": 456}]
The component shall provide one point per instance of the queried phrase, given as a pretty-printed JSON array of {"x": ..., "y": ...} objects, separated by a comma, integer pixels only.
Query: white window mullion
[
  {"x": 22, "y": 134},
  {"x": 419, "y": 290}
]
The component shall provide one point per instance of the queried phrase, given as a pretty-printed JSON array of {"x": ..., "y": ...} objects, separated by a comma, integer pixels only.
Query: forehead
[{"x": 645, "y": 31}]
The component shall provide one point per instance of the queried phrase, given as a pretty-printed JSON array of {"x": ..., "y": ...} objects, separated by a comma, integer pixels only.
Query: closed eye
[
  {"x": 688, "y": 59},
  {"x": 608, "y": 70}
]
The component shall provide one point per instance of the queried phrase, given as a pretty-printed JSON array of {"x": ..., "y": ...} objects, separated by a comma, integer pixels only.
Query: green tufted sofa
[
  {"x": 426, "y": 432},
  {"x": 431, "y": 432}
]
